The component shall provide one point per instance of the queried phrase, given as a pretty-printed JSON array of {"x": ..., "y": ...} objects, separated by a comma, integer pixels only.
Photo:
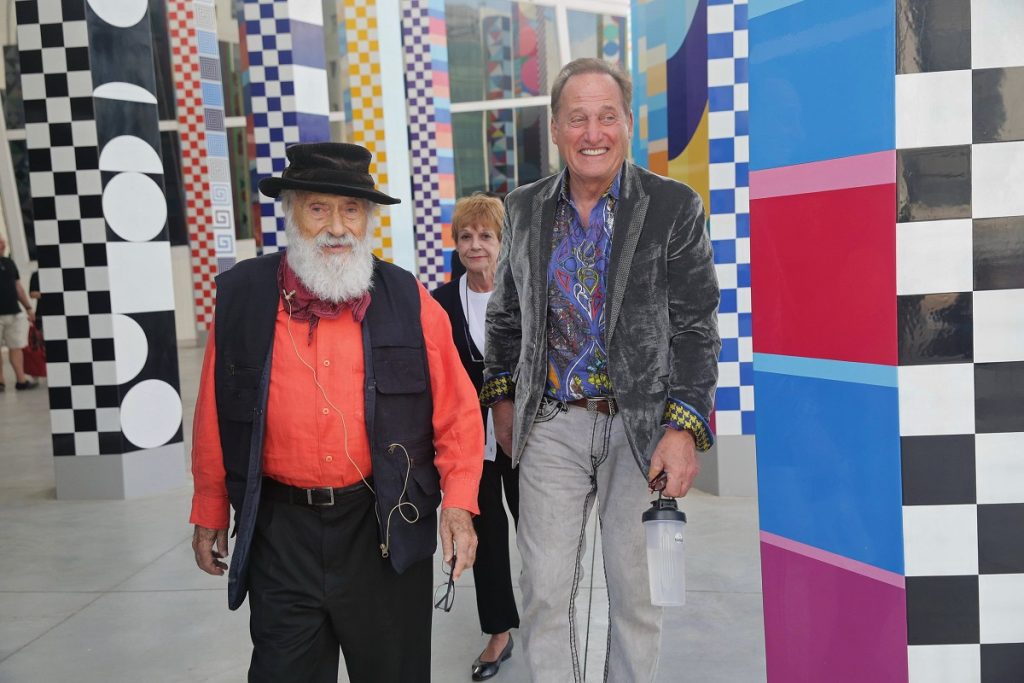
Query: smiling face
[
  {"x": 592, "y": 129},
  {"x": 478, "y": 246},
  {"x": 336, "y": 222}
]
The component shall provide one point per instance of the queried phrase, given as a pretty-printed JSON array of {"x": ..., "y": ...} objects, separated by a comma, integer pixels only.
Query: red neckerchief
[{"x": 305, "y": 305}]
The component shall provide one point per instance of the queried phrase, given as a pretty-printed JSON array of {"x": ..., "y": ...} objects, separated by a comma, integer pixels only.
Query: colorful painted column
[
  {"x": 195, "y": 59},
  {"x": 430, "y": 136},
  {"x": 105, "y": 263},
  {"x": 690, "y": 110},
  {"x": 888, "y": 261},
  {"x": 283, "y": 43}
]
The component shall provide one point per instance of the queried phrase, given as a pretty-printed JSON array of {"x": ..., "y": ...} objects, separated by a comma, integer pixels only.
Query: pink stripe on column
[
  {"x": 878, "y": 168},
  {"x": 870, "y": 571}
]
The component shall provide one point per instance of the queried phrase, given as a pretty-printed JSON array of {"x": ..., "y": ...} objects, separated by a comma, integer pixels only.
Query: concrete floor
[{"x": 108, "y": 591}]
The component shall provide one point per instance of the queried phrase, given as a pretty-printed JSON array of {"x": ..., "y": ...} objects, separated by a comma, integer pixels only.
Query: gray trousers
[{"x": 572, "y": 458}]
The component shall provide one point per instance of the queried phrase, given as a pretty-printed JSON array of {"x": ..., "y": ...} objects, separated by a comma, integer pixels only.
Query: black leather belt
[
  {"x": 316, "y": 497},
  {"x": 601, "y": 404}
]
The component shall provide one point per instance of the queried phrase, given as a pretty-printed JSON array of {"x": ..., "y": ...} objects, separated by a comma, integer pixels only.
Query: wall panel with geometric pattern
[
  {"x": 195, "y": 60},
  {"x": 283, "y": 44},
  {"x": 105, "y": 269},
  {"x": 430, "y": 134},
  {"x": 888, "y": 246}
]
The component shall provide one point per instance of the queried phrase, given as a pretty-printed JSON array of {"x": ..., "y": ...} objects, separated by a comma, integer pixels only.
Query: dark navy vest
[{"x": 397, "y": 399}]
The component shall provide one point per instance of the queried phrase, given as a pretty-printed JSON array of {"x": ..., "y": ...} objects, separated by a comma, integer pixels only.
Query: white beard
[{"x": 332, "y": 277}]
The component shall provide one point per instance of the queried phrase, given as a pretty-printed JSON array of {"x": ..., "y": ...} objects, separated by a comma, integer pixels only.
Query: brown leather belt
[{"x": 602, "y": 404}]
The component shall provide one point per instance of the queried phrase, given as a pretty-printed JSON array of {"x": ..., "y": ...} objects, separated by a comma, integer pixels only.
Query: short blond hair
[{"x": 478, "y": 208}]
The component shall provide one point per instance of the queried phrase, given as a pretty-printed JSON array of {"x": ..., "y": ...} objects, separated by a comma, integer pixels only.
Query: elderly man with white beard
[{"x": 333, "y": 411}]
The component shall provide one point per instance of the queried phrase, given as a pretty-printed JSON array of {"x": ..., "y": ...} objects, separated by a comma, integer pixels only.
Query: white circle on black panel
[
  {"x": 131, "y": 348},
  {"x": 134, "y": 207},
  {"x": 121, "y": 13},
  {"x": 150, "y": 413}
]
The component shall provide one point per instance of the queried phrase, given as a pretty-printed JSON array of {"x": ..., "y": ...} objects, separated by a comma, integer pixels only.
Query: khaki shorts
[{"x": 14, "y": 330}]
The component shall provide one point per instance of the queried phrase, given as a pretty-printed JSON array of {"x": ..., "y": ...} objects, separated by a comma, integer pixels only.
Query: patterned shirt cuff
[
  {"x": 680, "y": 416},
  {"x": 497, "y": 388}
]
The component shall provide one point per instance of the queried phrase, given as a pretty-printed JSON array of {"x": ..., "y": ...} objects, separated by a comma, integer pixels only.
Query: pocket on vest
[
  {"x": 240, "y": 394},
  {"x": 399, "y": 370}
]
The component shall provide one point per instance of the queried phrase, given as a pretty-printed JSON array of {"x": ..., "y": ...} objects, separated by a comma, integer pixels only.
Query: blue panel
[
  {"x": 828, "y": 466},
  {"x": 313, "y": 127},
  {"x": 308, "y": 45},
  {"x": 212, "y": 95},
  {"x": 822, "y": 81}
]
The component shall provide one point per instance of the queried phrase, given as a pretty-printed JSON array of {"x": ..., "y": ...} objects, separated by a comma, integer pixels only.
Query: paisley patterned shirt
[{"x": 577, "y": 282}]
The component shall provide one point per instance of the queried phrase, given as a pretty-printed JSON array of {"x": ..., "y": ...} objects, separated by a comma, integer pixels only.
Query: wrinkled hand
[
  {"x": 676, "y": 454},
  {"x": 458, "y": 538},
  {"x": 203, "y": 542},
  {"x": 504, "y": 414}
]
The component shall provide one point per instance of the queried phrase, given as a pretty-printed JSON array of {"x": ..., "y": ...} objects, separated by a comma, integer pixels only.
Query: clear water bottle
[{"x": 665, "y": 525}]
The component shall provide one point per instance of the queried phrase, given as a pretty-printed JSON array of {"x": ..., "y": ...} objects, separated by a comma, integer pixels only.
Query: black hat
[{"x": 328, "y": 167}]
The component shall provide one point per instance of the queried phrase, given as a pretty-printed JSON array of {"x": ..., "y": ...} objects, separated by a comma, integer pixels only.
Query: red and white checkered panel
[{"x": 194, "y": 167}]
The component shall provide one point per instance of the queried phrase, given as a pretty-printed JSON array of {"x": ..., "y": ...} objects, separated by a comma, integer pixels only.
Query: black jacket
[{"x": 396, "y": 394}]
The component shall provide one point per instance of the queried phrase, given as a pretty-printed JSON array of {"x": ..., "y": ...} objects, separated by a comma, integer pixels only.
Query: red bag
[{"x": 35, "y": 353}]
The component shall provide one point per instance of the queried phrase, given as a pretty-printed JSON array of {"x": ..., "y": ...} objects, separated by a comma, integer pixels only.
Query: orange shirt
[{"x": 310, "y": 442}]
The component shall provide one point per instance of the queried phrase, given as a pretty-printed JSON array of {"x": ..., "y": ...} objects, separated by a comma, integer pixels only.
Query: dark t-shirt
[{"x": 8, "y": 287}]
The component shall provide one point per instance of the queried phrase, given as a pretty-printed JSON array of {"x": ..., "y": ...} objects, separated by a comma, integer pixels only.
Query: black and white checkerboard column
[
  {"x": 960, "y": 285},
  {"x": 105, "y": 269}
]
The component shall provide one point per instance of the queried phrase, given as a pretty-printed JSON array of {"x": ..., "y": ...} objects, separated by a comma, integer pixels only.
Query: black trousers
[
  {"x": 317, "y": 582},
  {"x": 492, "y": 577}
]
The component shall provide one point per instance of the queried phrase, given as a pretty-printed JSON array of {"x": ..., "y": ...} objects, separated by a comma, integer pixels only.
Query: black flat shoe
[{"x": 483, "y": 670}]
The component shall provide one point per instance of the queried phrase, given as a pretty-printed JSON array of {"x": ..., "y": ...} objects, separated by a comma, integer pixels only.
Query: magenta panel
[{"x": 827, "y": 623}]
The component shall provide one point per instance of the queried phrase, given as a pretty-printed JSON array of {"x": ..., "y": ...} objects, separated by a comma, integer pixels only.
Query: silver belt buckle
[
  {"x": 309, "y": 497},
  {"x": 593, "y": 403}
]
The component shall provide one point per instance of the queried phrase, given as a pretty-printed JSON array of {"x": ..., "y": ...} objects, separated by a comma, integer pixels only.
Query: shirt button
[
  {"x": 329, "y": 458},
  {"x": 326, "y": 411},
  {"x": 327, "y": 363}
]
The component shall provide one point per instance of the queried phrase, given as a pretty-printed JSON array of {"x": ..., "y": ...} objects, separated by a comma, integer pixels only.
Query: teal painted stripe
[
  {"x": 820, "y": 368},
  {"x": 760, "y": 7}
]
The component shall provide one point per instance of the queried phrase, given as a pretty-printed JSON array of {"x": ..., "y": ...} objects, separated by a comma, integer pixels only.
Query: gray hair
[{"x": 591, "y": 65}]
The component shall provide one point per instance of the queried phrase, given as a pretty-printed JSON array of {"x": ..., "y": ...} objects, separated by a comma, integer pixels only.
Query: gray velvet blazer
[{"x": 662, "y": 301}]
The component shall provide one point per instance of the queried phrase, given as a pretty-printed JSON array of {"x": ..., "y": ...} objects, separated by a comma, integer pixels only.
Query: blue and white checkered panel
[
  {"x": 272, "y": 97},
  {"x": 730, "y": 210}
]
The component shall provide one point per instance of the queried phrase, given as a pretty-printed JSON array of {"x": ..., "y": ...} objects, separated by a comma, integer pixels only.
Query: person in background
[
  {"x": 36, "y": 295},
  {"x": 476, "y": 230},
  {"x": 13, "y": 323}
]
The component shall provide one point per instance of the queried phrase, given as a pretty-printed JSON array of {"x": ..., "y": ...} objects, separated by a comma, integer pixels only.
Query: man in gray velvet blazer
[{"x": 601, "y": 365}]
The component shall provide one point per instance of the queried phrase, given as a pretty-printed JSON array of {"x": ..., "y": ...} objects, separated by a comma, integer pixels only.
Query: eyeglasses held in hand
[
  {"x": 446, "y": 590},
  {"x": 659, "y": 482}
]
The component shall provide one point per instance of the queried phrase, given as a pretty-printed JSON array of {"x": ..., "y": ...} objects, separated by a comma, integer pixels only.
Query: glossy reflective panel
[
  {"x": 938, "y": 470},
  {"x": 942, "y": 610},
  {"x": 1001, "y": 539},
  {"x": 999, "y": 397},
  {"x": 999, "y": 253},
  {"x": 933, "y": 183},
  {"x": 933, "y": 35},
  {"x": 935, "y": 328},
  {"x": 998, "y": 104}
]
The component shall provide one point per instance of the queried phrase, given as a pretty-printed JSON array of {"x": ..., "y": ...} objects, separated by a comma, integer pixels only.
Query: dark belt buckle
[{"x": 323, "y": 497}]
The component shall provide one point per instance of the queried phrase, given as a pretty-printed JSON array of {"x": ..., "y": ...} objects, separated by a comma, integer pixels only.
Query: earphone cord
[{"x": 386, "y": 545}]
